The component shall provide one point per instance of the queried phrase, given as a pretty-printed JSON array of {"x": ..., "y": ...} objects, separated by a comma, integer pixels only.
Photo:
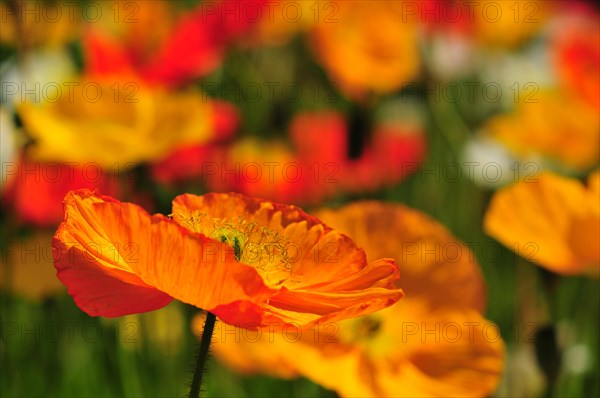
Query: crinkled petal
[
  {"x": 327, "y": 277},
  {"x": 116, "y": 259}
]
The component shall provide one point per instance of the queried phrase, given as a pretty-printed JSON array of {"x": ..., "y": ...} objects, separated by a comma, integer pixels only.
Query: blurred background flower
[
  {"x": 557, "y": 217},
  {"x": 418, "y": 347},
  {"x": 482, "y": 116},
  {"x": 376, "y": 38}
]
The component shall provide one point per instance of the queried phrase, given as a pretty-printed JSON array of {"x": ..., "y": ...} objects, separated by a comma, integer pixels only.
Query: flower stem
[{"x": 209, "y": 325}]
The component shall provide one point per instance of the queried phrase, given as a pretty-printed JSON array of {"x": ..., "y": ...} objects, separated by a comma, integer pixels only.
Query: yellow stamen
[{"x": 262, "y": 248}]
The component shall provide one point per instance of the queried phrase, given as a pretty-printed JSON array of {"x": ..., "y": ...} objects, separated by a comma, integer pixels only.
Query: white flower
[
  {"x": 39, "y": 77},
  {"x": 490, "y": 164},
  {"x": 8, "y": 145}
]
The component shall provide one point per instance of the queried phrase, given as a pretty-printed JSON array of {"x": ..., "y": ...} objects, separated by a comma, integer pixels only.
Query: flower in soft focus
[
  {"x": 29, "y": 23},
  {"x": 455, "y": 30},
  {"x": 266, "y": 169},
  {"x": 123, "y": 46},
  {"x": 316, "y": 164},
  {"x": 451, "y": 55},
  {"x": 26, "y": 268},
  {"x": 376, "y": 39},
  {"x": 200, "y": 161},
  {"x": 250, "y": 262},
  {"x": 523, "y": 377},
  {"x": 449, "y": 52},
  {"x": 8, "y": 144},
  {"x": 190, "y": 164},
  {"x": 169, "y": 47},
  {"x": 504, "y": 24},
  {"x": 282, "y": 20},
  {"x": 490, "y": 164},
  {"x": 35, "y": 190},
  {"x": 164, "y": 48},
  {"x": 555, "y": 126},
  {"x": 111, "y": 123},
  {"x": 435, "y": 342},
  {"x": 394, "y": 149},
  {"x": 576, "y": 50},
  {"x": 35, "y": 76},
  {"x": 553, "y": 221},
  {"x": 124, "y": 43}
]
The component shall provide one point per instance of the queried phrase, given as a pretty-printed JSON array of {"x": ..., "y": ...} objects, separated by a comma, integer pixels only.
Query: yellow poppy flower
[
  {"x": 281, "y": 20},
  {"x": 508, "y": 24},
  {"x": 114, "y": 122},
  {"x": 551, "y": 125},
  {"x": 371, "y": 46},
  {"x": 553, "y": 221}
]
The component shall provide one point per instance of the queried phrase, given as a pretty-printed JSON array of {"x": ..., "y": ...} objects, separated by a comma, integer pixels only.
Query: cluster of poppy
[
  {"x": 146, "y": 110},
  {"x": 264, "y": 266},
  {"x": 132, "y": 114},
  {"x": 314, "y": 167},
  {"x": 560, "y": 129}
]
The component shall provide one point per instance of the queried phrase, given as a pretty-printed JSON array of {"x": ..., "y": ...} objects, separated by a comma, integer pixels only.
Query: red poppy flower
[
  {"x": 36, "y": 189},
  {"x": 192, "y": 48}
]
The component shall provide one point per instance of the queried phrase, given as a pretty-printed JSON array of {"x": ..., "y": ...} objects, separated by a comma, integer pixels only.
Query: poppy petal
[
  {"x": 127, "y": 246},
  {"x": 317, "y": 253},
  {"x": 90, "y": 264},
  {"x": 434, "y": 265},
  {"x": 545, "y": 220},
  {"x": 327, "y": 276},
  {"x": 456, "y": 354}
]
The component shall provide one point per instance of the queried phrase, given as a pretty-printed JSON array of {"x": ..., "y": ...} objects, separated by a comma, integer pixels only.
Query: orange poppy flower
[
  {"x": 553, "y": 221},
  {"x": 250, "y": 262},
  {"x": 506, "y": 24},
  {"x": 278, "y": 26},
  {"x": 376, "y": 38},
  {"x": 434, "y": 342},
  {"x": 556, "y": 126}
]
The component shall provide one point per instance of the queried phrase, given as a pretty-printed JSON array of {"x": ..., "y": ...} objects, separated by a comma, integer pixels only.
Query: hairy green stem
[{"x": 209, "y": 325}]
